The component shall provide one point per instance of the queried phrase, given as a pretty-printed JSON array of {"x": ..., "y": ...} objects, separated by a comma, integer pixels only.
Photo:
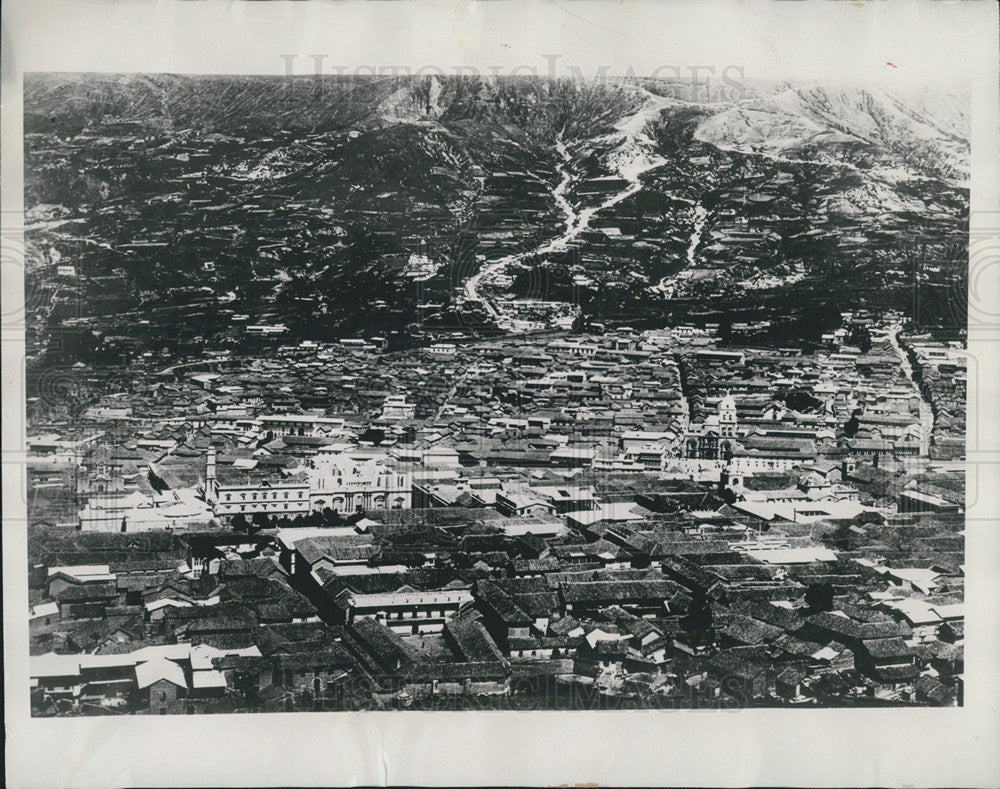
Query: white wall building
[
  {"x": 302, "y": 425},
  {"x": 396, "y": 409},
  {"x": 333, "y": 479},
  {"x": 346, "y": 484}
]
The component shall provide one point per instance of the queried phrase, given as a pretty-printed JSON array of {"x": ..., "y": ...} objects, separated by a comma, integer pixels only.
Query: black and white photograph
[
  {"x": 400, "y": 392},
  {"x": 490, "y": 389}
]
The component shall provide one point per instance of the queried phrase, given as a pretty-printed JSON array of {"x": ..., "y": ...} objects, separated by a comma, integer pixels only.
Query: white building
[
  {"x": 302, "y": 425},
  {"x": 168, "y": 511},
  {"x": 406, "y": 611},
  {"x": 265, "y": 329},
  {"x": 333, "y": 479},
  {"x": 443, "y": 350},
  {"x": 396, "y": 409},
  {"x": 347, "y": 484},
  {"x": 269, "y": 496}
]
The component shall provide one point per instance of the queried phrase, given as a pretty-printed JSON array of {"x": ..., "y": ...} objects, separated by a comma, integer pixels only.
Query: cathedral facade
[{"x": 714, "y": 438}]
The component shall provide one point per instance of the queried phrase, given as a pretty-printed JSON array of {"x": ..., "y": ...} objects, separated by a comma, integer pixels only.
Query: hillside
[{"x": 190, "y": 206}]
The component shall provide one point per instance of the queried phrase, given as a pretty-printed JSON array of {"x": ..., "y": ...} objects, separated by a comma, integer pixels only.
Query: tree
[
  {"x": 852, "y": 425},
  {"x": 260, "y": 521},
  {"x": 331, "y": 517},
  {"x": 699, "y": 621},
  {"x": 240, "y": 522},
  {"x": 841, "y": 538},
  {"x": 803, "y": 402},
  {"x": 726, "y": 328},
  {"x": 819, "y": 597},
  {"x": 862, "y": 337},
  {"x": 867, "y": 517}
]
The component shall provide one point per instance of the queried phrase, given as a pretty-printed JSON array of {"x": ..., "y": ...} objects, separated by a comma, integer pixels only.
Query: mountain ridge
[{"x": 321, "y": 187}]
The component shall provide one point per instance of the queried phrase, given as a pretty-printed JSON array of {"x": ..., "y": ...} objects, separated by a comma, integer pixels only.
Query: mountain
[
  {"x": 398, "y": 205},
  {"x": 921, "y": 132},
  {"x": 227, "y": 104}
]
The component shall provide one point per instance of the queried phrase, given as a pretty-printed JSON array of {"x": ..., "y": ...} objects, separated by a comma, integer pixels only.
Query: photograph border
[{"x": 912, "y": 40}]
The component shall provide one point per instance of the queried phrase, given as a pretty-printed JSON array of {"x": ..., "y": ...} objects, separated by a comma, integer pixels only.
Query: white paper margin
[{"x": 917, "y": 39}]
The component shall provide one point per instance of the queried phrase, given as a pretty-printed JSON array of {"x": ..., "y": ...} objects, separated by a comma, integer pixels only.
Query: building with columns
[
  {"x": 332, "y": 479},
  {"x": 346, "y": 483}
]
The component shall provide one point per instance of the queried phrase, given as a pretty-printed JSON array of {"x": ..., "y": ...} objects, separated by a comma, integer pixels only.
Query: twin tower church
[{"x": 713, "y": 439}]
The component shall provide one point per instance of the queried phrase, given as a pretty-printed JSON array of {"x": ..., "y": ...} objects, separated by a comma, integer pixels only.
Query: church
[{"x": 714, "y": 438}]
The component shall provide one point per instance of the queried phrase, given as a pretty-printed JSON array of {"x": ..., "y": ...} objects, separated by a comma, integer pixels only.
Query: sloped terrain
[
  {"x": 918, "y": 134},
  {"x": 190, "y": 206}
]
